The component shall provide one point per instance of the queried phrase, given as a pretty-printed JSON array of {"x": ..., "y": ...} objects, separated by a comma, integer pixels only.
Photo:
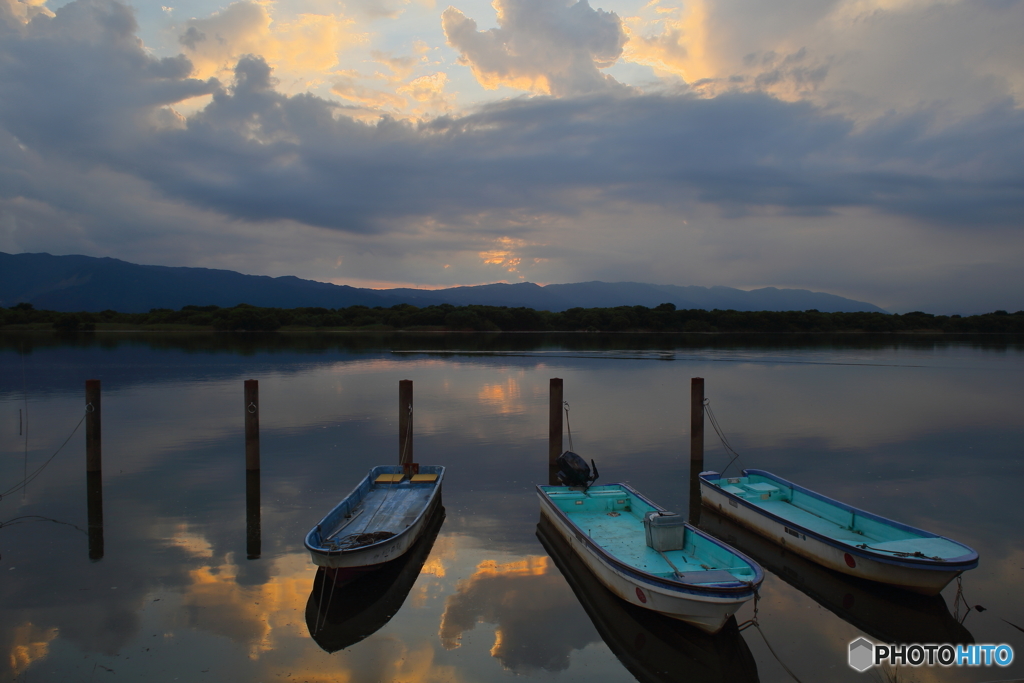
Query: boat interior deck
[
  {"x": 613, "y": 518},
  {"x": 835, "y": 522},
  {"x": 384, "y": 507}
]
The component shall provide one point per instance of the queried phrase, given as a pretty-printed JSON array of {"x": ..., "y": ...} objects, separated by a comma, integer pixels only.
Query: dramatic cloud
[
  {"x": 301, "y": 51},
  {"x": 541, "y": 46},
  {"x": 749, "y": 169}
]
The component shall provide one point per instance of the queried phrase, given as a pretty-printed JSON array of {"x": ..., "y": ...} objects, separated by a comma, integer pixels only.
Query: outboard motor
[{"x": 573, "y": 470}]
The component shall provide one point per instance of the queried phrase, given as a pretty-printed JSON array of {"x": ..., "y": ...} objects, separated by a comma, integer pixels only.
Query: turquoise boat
[
  {"x": 654, "y": 648},
  {"x": 650, "y": 557},
  {"x": 836, "y": 535},
  {"x": 885, "y": 613}
]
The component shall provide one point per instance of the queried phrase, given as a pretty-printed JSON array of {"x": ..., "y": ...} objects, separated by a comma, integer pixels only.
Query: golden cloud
[
  {"x": 25, "y": 11},
  {"x": 302, "y": 52},
  {"x": 673, "y": 42},
  {"x": 346, "y": 87},
  {"x": 429, "y": 90},
  {"x": 504, "y": 255}
]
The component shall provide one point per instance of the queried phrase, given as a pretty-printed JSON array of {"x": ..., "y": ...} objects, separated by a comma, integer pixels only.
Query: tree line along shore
[{"x": 446, "y": 317}]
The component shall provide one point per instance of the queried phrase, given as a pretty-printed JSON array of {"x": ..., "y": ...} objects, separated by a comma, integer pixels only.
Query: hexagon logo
[{"x": 862, "y": 654}]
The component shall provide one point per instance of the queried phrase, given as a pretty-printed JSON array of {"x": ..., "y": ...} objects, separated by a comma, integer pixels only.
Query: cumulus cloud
[
  {"x": 302, "y": 51},
  {"x": 613, "y": 185},
  {"x": 16, "y": 12},
  {"x": 554, "y": 48},
  {"x": 861, "y": 57}
]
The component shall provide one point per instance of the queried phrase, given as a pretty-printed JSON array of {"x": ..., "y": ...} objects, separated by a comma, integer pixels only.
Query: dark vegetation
[{"x": 663, "y": 318}]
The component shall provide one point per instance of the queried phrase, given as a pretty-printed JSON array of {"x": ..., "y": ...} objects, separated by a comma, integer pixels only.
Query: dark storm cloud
[{"x": 79, "y": 88}]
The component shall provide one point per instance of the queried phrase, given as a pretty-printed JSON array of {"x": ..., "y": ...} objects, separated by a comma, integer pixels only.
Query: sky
[{"x": 872, "y": 149}]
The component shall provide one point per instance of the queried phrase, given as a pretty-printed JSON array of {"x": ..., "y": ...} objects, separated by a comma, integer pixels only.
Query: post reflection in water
[
  {"x": 924, "y": 431},
  {"x": 94, "y": 495},
  {"x": 341, "y": 613},
  {"x": 885, "y": 613},
  {"x": 652, "y": 647},
  {"x": 253, "y": 529}
]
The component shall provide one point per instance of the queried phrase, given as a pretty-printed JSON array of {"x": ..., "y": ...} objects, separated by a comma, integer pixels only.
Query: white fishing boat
[
  {"x": 836, "y": 535},
  {"x": 379, "y": 520},
  {"x": 650, "y": 557}
]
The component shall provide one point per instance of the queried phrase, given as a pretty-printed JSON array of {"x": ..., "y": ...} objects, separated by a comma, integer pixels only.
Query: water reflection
[
  {"x": 924, "y": 431},
  {"x": 887, "y": 614},
  {"x": 340, "y": 614},
  {"x": 651, "y": 646},
  {"x": 94, "y": 503},
  {"x": 253, "y": 522},
  {"x": 535, "y": 627}
]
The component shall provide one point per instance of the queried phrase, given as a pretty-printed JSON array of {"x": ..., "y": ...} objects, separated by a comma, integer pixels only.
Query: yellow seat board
[
  {"x": 388, "y": 478},
  {"x": 424, "y": 477}
]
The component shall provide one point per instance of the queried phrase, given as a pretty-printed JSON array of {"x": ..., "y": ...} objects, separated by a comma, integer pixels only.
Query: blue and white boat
[
  {"x": 837, "y": 535},
  {"x": 651, "y": 557},
  {"x": 379, "y": 520}
]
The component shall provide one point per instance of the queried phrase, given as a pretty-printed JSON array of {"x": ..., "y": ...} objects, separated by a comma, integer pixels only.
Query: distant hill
[{"x": 85, "y": 283}]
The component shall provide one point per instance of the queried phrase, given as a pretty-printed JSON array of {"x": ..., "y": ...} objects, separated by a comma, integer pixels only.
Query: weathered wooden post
[
  {"x": 696, "y": 445},
  {"x": 554, "y": 427},
  {"x": 93, "y": 441},
  {"x": 94, "y": 468},
  {"x": 405, "y": 451},
  {"x": 252, "y": 425}
]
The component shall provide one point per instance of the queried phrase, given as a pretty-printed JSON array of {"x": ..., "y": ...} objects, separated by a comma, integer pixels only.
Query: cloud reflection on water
[
  {"x": 530, "y": 608},
  {"x": 929, "y": 437}
]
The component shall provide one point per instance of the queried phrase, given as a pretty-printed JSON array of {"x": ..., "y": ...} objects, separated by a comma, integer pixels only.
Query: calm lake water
[{"x": 925, "y": 431}]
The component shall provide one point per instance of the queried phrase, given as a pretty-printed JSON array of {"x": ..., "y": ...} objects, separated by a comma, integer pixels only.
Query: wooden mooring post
[
  {"x": 554, "y": 428},
  {"x": 252, "y": 425},
  {"x": 94, "y": 467},
  {"x": 405, "y": 441},
  {"x": 696, "y": 445}
]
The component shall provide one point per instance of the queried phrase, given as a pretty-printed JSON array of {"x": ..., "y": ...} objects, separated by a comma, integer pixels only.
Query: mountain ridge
[{"x": 86, "y": 283}]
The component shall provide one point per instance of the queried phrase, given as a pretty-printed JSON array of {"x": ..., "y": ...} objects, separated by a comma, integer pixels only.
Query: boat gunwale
[
  {"x": 959, "y": 563},
  {"x": 745, "y": 590},
  {"x": 378, "y": 469}
]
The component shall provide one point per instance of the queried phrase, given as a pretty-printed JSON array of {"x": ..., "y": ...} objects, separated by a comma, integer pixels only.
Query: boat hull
[
  {"x": 885, "y": 613},
  {"x": 927, "y": 578},
  {"x": 407, "y": 527},
  {"x": 655, "y": 649},
  {"x": 340, "y": 614},
  {"x": 708, "y": 610}
]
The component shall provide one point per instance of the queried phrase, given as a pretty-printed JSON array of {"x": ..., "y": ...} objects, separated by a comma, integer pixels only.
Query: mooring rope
[
  {"x": 752, "y": 621},
  {"x": 39, "y": 518},
  {"x": 899, "y": 553},
  {"x": 28, "y": 478},
  {"x": 721, "y": 435},
  {"x": 960, "y": 597},
  {"x": 565, "y": 404}
]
